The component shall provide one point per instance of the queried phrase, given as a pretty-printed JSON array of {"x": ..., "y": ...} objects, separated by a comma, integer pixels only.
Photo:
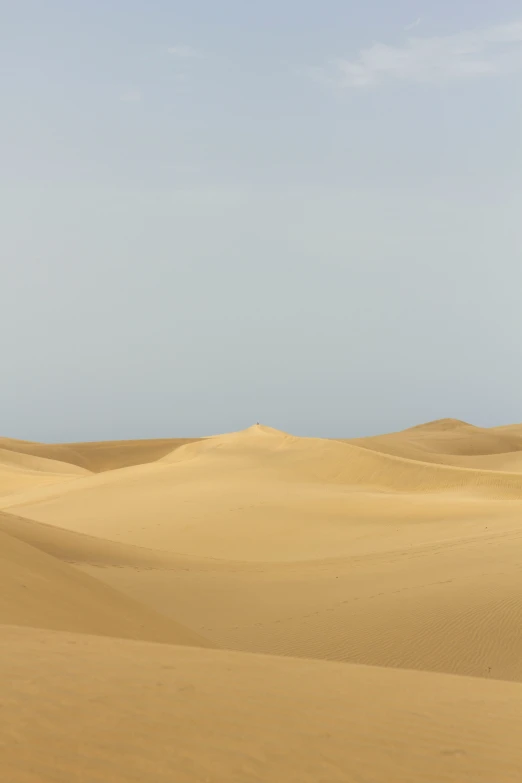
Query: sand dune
[
  {"x": 311, "y": 561},
  {"x": 20, "y": 472},
  {"x": 450, "y": 606},
  {"x": 38, "y": 590},
  {"x": 453, "y": 442},
  {"x": 79, "y": 548},
  {"x": 397, "y": 551},
  {"x": 264, "y": 495},
  {"x": 119, "y": 711},
  {"x": 98, "y": 456}
]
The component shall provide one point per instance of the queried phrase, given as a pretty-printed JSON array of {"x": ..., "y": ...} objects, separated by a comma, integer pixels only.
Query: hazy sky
[{"x": 307, "y": 213}]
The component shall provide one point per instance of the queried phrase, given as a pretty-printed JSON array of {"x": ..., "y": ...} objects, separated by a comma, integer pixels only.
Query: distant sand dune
[
  {"x": 98, "y": 456},
  {"x": 20, "y": 472},
  {"x": 452, "y": 442}
]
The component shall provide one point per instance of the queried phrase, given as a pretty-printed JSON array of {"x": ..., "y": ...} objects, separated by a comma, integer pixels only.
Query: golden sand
[{"x": 256, "y": 606}]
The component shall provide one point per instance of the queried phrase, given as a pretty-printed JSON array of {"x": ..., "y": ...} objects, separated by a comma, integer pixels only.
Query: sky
[{"x": 296, "y": 212}]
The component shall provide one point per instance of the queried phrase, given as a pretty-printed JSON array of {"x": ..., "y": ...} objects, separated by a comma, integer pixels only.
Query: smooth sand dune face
[
  {"x": 38, "y": 590},
  {"x": 95, "y": 709},
  {"x": 400, "y": 551},
  {"x": 452, "y": 606},
  {"x": 78, "y": 548}
]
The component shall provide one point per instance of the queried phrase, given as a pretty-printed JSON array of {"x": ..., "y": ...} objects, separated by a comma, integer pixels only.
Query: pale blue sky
[{"x": 302, "y": 213}]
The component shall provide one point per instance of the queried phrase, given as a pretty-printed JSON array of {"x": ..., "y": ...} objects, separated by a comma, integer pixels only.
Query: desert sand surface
[
  {"x": 260, "y": 606},
  {"x": 94, "y": 709}
]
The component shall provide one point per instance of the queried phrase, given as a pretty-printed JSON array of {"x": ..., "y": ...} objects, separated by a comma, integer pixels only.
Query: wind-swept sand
[{"x": 398, "y": 551}]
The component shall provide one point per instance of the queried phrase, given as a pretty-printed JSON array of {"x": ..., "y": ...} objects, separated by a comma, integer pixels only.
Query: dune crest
[{"x": 441, "y": 425}]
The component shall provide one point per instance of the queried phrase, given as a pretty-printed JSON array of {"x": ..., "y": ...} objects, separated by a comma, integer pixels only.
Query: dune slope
[
  {"x": 86, "y": 709},
  {"x": 450, "y": 606},
  {"x": 38, "y": 590}
]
